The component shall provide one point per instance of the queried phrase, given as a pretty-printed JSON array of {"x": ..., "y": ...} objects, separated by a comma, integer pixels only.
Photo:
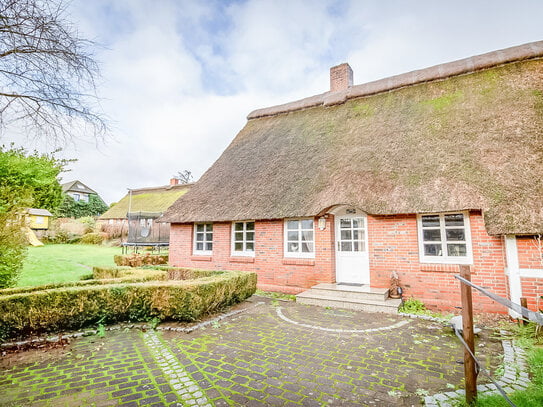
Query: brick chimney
[
  {"x": 341, "y": 77},
  {"x": 174, "y": 181}
]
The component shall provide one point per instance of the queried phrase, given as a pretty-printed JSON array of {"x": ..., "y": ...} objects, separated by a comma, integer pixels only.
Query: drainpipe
[{"x": 513, "y": 272}]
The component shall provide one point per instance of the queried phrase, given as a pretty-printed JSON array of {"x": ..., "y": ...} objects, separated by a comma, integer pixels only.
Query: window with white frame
[
  {"x": 243, "y": 238},
  {"x": 445, "y": 238},
  {"x": 203, "y": 238},
  {"x": 299, "y": 238}
]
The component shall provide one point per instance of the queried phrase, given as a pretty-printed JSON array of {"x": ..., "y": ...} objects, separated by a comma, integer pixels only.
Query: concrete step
[
  {"x": 389, "y": 306},
  {"x": 363, "y": 292}
]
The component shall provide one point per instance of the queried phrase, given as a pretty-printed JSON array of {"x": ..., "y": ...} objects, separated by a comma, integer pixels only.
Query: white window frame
[
  {"x": 40, "y": 220},
  {"x": 76, "y": 197},
  {"x": 244, "y": 252},
  {"x": 468, "y": 259},
  {"x": 194, "y": 241},
  {"x": 300, "y": 254}
]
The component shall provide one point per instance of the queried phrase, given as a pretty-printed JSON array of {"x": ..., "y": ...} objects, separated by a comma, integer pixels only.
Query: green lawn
[{"x": 57, "y": 263}]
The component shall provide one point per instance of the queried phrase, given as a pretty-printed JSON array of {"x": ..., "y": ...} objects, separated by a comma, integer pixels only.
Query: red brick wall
[
  {"x": 275, "y": 272},
  {"x": 530, "y": 254},
  {"x": 394, "y": 247}
]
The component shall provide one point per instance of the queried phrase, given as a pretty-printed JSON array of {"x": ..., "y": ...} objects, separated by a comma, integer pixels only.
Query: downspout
[{"x": 513, "y": 272}]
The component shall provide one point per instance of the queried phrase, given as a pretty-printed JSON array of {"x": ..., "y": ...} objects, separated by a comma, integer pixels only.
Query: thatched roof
[
  {"x": 156, "y": 199},
  {"x": 471, "y": 141}
]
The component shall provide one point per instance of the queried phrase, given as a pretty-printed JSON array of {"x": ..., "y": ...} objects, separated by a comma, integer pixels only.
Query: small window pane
[
  {"x": 209, "y": 237},
  {"x": 356, "y": 246},
  {"x": 346, "y": 235},
  {"x": 209, "y": 246},
  {"x": 307, "y": 247},
  {"x": 199, "y": 246},
  {"x": 346, "y": 246},
  {"x": 456, "y": 250},
  {"x": 431, "y": 235},
  {"x": 307, "y": 236},
  {"x": 292, "y": 225},
  {"x": 292, "y": 236},
  {"x": 292, "y": 247},
  {"x": 430, "y": 221},
  {"x": 432, "y": 250},
  {"x": 456, "y": 219},
  {"x": 307, "y": 224},
  {"x": 238, "y": 226},
  {"x": 250, "y": 226},
  {"x": 238, "y": 246},
  {"x": 209, "y": 227},
  {"x": 455, "y": 234},
  {"x": 250, "y": 236},
  {"x": 358, "y": 223},
  {"x": 250, "y": 246},
  {"x": 200, "y": 227},
  {"x": 199, "y": 237},
  {"x": 345, "y": 223},
  {"x": 238, "y": 236},
  {"x": 359, "y": 234}
]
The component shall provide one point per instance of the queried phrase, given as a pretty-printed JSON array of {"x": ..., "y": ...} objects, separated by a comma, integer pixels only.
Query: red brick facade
[
  {"x": 392, "y": 245},
  {"x": 530, "y": 254}
]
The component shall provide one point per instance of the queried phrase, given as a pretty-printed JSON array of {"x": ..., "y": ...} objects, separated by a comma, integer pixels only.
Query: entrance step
[{"x": 360, "y": 298}]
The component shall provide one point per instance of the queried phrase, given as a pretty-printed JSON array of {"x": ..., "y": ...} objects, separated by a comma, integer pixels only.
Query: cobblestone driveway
[{"x": 275, "y": 353}]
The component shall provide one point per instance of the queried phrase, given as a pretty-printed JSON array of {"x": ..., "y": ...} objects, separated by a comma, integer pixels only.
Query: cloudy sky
[{"x": 179, "y": 76}]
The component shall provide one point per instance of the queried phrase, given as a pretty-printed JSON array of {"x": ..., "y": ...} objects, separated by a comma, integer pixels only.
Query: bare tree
[
  {"x": 47, "y": 73},
  {"x": 184, "y": 177}
]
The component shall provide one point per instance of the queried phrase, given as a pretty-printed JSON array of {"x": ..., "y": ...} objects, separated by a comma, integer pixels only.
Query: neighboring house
[
  {"x": 77, "y": 190},
  {"x": 143, "y": 207},
  {"x": 38, "y": 219},
  {"x": 412, "y": 174}
]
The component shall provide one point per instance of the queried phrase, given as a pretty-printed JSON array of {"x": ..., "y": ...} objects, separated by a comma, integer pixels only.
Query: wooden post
[
  {"x": 467, "y": 326},
  {"x": 524, "y": 303}
]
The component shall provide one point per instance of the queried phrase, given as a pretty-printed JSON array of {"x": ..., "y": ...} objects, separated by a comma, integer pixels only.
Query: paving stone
[{"x": 255, "y": 359}]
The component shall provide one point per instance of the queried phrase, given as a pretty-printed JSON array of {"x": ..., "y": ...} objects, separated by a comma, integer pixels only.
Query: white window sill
[
  {"x": 242, "y": 254},
  {"x": 441, "y": 260},
  {"x": 299, "y": 256},
  {"x": 203, "y": 253}
]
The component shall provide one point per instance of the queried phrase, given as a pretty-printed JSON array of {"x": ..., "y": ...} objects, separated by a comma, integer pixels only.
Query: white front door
[{"x": 352, "y": 261}]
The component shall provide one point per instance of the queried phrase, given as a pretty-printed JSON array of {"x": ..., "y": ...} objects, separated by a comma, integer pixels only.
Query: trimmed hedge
[
  {"x": 137, "y": 260},
  {"x": 100, "y": 273},
  {"x": 76, "y": 305}
]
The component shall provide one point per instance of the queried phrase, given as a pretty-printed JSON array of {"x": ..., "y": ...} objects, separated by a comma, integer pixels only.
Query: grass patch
[
  {"x": 279, "y": 296},
  {"x": 416, "y": 307},
  {"x": 57, "y": 263}
]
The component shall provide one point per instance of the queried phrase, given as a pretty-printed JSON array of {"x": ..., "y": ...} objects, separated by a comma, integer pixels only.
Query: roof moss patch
[{"x": 154, "y": 200}]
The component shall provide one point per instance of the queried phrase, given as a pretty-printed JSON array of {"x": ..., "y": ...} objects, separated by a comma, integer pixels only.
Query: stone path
[{"x": 274, "y": 354}]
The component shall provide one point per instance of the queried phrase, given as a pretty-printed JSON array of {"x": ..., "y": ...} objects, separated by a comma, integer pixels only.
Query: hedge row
[
  {"x": 138, "y": 260},
  {"x": 75, "y": 306},
  {"x": 147, "y": 274}
]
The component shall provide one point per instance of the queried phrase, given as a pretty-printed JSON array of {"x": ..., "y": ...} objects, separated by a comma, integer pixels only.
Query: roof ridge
[{"x": 487, "y": 60}]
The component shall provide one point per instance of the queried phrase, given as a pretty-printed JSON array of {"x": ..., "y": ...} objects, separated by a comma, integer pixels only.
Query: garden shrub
[
  {"x": 119, "y": 272},
  {"x": 138, "y": 260},
  {"x": 76, "y": 305},
  {"x": 92, "y": 238}
]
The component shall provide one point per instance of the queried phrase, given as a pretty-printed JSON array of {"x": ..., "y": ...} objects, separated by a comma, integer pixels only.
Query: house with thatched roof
[
  {"x": 408, "y": 176},
  {"x": 134, "y": 217}
]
